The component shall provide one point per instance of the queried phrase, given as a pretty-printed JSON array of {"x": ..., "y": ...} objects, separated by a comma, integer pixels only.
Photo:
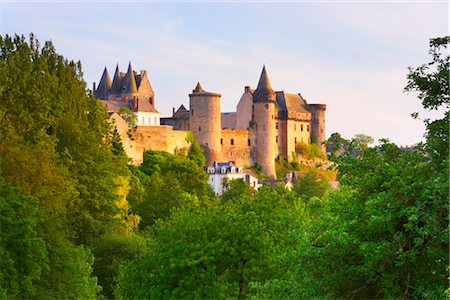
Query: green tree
[
  {"x": 23, "y": 253},
  {"x": 361, "y": 141},
  {"x": 168, "y": 182},
  {"x": 128, "y": 115},
  {"x": 311, "y": 185},
  {"x": 111, "y": 250},
  {"x": 235, "y": 189},
  {"x": 214, "y": 253}
]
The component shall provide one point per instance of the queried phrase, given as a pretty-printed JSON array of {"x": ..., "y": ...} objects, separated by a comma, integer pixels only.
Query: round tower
[
  {"x": 264, "y": 117},
  {"x": 204, "y": 122},
  {"x": 318, "y": 124}
]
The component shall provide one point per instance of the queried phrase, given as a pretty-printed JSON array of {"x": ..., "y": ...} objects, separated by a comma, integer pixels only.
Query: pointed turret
[
  {"x": 129, "y": 82},
  {"x": 198, "y": 88},
  {"x": 116, "y": 86},
  {"x": 264, "y": 91},
  {"x": 104, "y": 86}
]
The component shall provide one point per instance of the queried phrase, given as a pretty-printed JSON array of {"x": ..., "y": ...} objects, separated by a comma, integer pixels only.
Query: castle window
[
  {"x": 295, "y": 127},
  {"x": 307, "y": 128},
  {"x": 232, "y": 141},
  {"x": 301, "y": 127},
  {"x": 276, "y": 125},
  {"x": 295, "y": 141},
  {"x": 221, "y": 141},
  {"x": 192, "y": 111},
  {"x": 199, "y": 128},
  {"x": 248, "y": 142},
  {"x": 276, "y": 139}
]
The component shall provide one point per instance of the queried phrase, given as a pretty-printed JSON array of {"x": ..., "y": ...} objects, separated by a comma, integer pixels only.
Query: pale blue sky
[{"x": 352, "y": 56}]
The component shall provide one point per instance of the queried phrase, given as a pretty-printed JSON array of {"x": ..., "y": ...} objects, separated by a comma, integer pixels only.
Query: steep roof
[
  {"x": 144, "y": 105},
  {"x": 103, "y": 86},
  {"x": 291, "y": 102},
  {"x": 129, "y": 82},
  {"x": 264, "y": 91},
  {"x": 198, "y": 88},
  {"x": 117, "y": 81}
]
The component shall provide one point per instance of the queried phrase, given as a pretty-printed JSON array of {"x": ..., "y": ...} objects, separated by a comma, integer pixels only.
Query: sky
[{"x": 352, "y": 56}]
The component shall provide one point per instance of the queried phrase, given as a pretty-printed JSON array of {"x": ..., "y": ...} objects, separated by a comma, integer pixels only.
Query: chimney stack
[
  {"x": 173, "y": 111},
  {"x": 93, "y": 86},
  {"x": 247, "y": 89}
]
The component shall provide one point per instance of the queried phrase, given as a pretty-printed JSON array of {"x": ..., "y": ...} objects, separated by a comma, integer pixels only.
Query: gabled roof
[
  {"x": 181, "y": 113},
  {"x": 291, "y": 102},
  {"x": 103, "y": 86}
]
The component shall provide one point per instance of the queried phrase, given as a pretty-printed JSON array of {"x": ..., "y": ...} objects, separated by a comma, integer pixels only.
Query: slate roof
[
  {"x": 291, "y": 102},
  {"x": 264, "y": 91}
]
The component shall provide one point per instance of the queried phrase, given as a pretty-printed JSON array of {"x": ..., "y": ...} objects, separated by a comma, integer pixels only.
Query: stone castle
[{"x": 266, "y": 123}]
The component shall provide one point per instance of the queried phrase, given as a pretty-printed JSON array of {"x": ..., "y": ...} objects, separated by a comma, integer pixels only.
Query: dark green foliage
[
  {"x": 236, "y": 189},
  {"x": 23, "y": 253},
  {"x": 211, "y": 254},
  {"x": 196, "y": 154},
  {"x": 169, "y": 182},
  {"x": 111, "y": 250},
  {"x": 311, "y": 185}
]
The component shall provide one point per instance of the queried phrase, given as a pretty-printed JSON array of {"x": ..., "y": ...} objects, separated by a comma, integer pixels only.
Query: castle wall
[
  {"x": 244, "y": 111},
  {"x": 236, "y": 147},
  {"x": 162, "y": 138},
  {"x": 228, "y": 120},
  {"x": 297, "y": 132}
]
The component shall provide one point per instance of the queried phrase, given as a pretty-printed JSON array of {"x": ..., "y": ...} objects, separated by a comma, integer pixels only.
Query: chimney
[
  {"x": 93, "y": 86},
  {"x": 247, "y": 89},
  {"x": 173, "y": 111},
  {"x": 134, "y": 104}
]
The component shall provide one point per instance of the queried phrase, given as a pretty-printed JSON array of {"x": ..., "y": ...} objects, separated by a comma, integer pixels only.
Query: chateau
[{"x": 266, "y": 123}]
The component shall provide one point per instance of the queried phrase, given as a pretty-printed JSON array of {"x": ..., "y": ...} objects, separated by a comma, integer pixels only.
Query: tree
[
  {"x": 128, "y": 115},
  {"x": 361, "y": 141},
  {"x": 23, "y": 253},
  {"x": 169, "y": 181},
  {"x": 214, "y": 253},
  {"x": 311, "y": 185},
  {"x": 431, "y": 81},
  {"x": 235, "y": 189}
]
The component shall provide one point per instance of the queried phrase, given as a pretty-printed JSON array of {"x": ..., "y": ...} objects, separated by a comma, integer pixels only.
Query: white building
[{"x": 227, "y": 170}]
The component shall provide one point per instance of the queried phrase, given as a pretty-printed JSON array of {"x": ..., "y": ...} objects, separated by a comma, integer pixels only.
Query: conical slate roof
[
  {"x": 129, "y": 82},
  {"x": 103, "y": 86},
  {"x": 198, "y": 88},
  {"x": 116, "y": 86},
  {"x": 264, "y": 91}
]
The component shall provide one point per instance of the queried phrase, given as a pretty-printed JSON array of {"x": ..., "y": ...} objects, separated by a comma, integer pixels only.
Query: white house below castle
[{"x": 221, "y": 172}]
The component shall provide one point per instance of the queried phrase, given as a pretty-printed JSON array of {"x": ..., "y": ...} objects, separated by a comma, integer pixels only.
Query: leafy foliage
[{"x": 309, "y": 151}]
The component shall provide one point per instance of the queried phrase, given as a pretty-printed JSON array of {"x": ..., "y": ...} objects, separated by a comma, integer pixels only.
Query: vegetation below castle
[{"x": 78, "y": 222}]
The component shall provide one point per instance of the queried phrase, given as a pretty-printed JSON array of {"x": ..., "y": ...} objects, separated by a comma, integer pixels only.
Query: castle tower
[
  {"x": 204, "y": 122},
  {"x": 264, "y": 117},
  {"x": 318, "y": 124},
  {"x": 104, "y": 86}
]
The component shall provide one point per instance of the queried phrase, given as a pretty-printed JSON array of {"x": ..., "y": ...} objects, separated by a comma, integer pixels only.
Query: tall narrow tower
[
  {"x": 318, "y": 124},
  {"x": 264, "y": 117},
  {"x": 204, "y": 122}
]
